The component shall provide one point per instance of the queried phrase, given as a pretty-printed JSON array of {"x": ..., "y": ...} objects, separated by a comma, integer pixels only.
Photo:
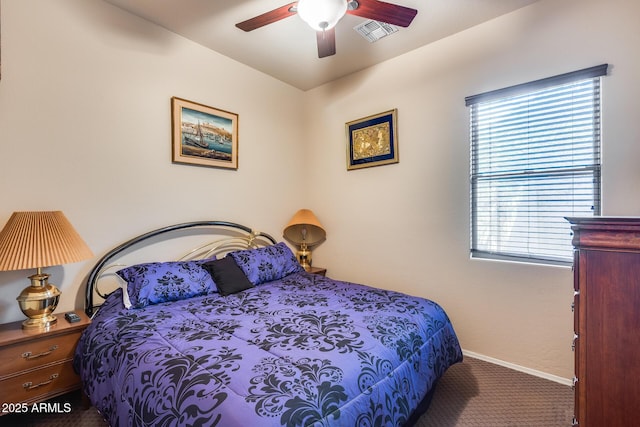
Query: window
[{"x": 535, "y": 158}]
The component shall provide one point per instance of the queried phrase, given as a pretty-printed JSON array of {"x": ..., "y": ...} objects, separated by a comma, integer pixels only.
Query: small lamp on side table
[
  {"x": 304, "y": 230},
  {"x": 37, "y": 240}
]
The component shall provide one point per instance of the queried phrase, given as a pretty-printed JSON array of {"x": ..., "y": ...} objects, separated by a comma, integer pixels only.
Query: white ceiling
[{"x": 287, "y": 49}]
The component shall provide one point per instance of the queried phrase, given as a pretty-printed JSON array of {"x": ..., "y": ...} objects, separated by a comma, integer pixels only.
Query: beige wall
[
  {"x": 84, "y": 127},
  {"x": 406, "y": 226}
]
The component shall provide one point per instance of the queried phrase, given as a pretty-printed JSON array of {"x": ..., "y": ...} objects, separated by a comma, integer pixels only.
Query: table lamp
[
  {"x": 37, "y": 240},
  {"x": 304, "y": 230}
]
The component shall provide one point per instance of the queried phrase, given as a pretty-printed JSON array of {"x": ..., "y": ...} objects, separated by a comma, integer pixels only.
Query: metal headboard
[{"x": 244, "y": 241}]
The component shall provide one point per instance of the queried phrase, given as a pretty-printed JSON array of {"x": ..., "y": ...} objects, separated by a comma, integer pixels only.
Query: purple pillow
[
  {"x": 156, "y": 282},
  {"x": 268, "y": 263}
]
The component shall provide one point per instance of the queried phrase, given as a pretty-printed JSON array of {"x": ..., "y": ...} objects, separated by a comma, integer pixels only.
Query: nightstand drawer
[
  {"x": 33, "y": 354},
  {"x": 39, "y": 384}
]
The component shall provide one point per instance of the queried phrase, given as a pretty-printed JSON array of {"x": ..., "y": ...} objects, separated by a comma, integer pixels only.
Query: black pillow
[{"x": 229, "y": 278}]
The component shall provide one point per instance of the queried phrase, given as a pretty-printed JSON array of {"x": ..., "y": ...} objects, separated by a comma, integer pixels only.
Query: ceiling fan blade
[
  {"x": 268, "y": 17},
  {"x": 326, "y": 42},
  {"x": 384, "y": 12}
]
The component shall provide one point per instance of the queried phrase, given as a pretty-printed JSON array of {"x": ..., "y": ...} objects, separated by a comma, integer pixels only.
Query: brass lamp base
[
  {"x": 304, "y": 257},
  {"x": 38, "y": 302},
  {"x": 42, "y": 323}
]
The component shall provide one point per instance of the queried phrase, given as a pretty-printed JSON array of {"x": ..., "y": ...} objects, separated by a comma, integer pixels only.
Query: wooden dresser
[
  {"x": 607, "y": 321},
  {"x": 37, "y": 365}
]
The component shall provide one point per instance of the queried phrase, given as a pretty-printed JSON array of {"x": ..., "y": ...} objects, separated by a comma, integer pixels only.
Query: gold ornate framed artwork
[
  {"x": 203, "y": 135},
  {"x": 372, "y": 140}
]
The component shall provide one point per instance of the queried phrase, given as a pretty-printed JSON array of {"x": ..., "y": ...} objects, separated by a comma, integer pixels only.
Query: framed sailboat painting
[{"x": 203, "y": 135}]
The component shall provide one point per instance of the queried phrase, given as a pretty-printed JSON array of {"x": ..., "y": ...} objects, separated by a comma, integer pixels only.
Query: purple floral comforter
[{"x": 304, "y": 350}]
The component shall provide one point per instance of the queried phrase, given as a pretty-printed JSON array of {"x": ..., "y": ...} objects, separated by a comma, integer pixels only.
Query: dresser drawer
[
  {"x": 36, "y": 353},
  {"x": 39, "y": 384}
]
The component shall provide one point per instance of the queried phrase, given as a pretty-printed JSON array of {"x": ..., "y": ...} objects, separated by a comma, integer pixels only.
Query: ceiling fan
[{"x": 323, "y": 15}]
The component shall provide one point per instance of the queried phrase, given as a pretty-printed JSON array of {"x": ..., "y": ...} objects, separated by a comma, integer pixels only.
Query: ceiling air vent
[{"x": 375, "y": 30}]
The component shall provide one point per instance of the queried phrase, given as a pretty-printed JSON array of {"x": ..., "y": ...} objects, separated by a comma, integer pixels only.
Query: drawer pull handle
[
  {"x": 29, "y": 356},
  {"x": 29, "y": 385}
]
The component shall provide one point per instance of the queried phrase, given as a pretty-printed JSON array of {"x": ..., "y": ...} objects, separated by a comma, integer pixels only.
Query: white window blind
[{"x": 535, "y": 158}]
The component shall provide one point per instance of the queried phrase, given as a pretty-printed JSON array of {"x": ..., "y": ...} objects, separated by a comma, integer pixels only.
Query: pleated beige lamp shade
[
  {"x": 40, "y": 239},
  {"x": 304, "y": 230},
  {"x": 36, "y": 240}
]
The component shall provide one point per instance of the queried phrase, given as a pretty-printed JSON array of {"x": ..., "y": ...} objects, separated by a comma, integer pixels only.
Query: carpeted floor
[
  {"x": 482, "y": 394},
  {"x": 471, "y": 393}
]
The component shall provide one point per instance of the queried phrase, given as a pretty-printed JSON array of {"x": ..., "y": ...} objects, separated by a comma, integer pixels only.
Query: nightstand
[
  {"x": 38, "y": 365},
  {"x": 318, "y": 270}
]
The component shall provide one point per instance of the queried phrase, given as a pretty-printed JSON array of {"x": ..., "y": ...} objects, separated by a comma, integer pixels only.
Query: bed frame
[
  {"x": 236, "y": 237},
  {"x": 227, "y": 237}
]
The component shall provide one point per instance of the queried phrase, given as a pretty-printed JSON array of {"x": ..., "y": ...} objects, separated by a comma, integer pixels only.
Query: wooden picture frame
[
  {"x": 372, "y": 140},
  {"x": 203, "y": 135}
]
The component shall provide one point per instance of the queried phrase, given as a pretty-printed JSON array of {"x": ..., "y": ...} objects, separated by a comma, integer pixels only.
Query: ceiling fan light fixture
[{"x": 322, "y": 14}]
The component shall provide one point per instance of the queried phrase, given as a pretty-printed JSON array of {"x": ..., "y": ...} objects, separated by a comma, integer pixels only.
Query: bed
[{"x": 253, "y": 339}]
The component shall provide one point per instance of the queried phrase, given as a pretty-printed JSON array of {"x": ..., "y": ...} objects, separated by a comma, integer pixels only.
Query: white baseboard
[{"x": 546, "y": 376}]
